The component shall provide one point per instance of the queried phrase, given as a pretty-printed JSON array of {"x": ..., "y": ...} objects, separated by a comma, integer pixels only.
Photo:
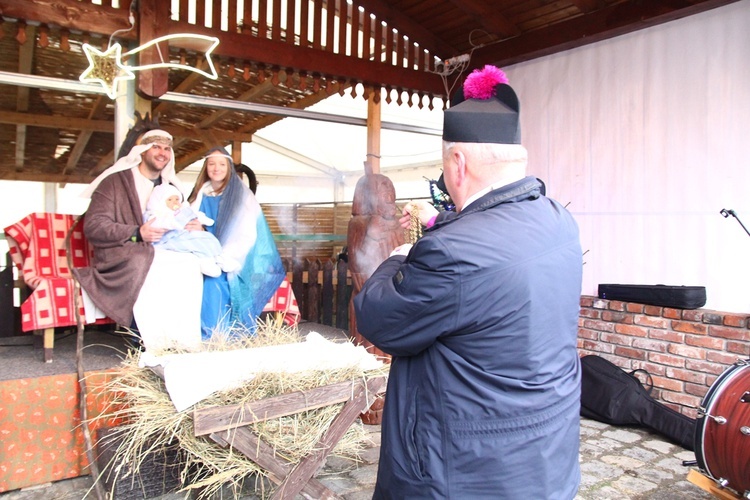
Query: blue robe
[{"x": 239, "y": 298}]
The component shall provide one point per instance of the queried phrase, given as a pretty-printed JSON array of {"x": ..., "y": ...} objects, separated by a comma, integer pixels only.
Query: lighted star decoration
[{"x": 107, "y": 69}]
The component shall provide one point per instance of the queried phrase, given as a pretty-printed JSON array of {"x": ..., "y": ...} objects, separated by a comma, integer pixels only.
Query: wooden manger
[{"x": 230, "y": 426}]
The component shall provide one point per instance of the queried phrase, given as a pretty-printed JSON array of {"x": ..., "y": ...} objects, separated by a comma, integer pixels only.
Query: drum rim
[{"x": 700, "y": 427}]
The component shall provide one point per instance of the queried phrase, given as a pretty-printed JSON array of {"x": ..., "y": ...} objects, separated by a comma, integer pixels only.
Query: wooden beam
[
  {"x": 71, "y": 14},
  {"x": 44, "y": 177},
  {"x": 331, "y": 172},
  {"x": 490, "y": 19},
  {"x": 250, "y": 95},
  {"x": 599, "y": 25},
  {"x": 372, "y": 163},
  {"x": 83, "y": 138},
  {"x": 25, "y": 58},
  {"x": 153, "y": 15},
  {"x": 303, "y": 103},
  {"x": 56, "y": 121},
  {"x": 281, "y": 54},
  {"x": 587, "y": 6},
  {"x": 184, "y": 87}
]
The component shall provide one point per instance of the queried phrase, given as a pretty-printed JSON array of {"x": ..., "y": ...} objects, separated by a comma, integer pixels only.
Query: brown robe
[{"x": 119, "y": 266}]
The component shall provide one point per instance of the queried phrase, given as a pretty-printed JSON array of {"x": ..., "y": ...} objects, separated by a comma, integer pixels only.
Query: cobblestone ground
[{"x": 616, "y": 463}]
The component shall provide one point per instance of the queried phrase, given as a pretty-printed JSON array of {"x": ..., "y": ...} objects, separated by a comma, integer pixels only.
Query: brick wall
[{"x": 685, "y": 351}]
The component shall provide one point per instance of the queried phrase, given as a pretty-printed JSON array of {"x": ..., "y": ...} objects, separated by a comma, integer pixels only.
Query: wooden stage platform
[{"x": 40, "y": 437}]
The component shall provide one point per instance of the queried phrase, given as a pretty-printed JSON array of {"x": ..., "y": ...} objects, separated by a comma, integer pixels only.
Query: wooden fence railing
[{"x": 322, "y": 288}]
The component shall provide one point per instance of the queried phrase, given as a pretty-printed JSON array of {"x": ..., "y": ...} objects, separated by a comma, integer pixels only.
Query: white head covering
[
  {"x": 158, "y": 199},
  {"x": 133, "y": 159}
]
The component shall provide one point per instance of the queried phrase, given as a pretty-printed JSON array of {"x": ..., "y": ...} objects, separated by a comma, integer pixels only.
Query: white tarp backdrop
[{"x": 646, "y": 137}]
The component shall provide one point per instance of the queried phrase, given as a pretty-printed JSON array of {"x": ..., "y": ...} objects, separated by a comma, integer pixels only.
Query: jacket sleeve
[
  {"x": 409, "y": 302},
  {"x": 109, "y": 220}
]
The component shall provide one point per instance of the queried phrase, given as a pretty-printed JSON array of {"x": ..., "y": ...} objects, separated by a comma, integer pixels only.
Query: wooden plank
[
  {"x": 366, "y": 35},
  {"x": 216, "y": 15},
  {"x": 378, "y": 41},
  {"x": 303, "y": 24},
  {"x": 276, "y": 21},
  {"x": 220, "y": 418},
  {"x": 200, "y": 13},
  {"x": 295, "y": 482},
  {"x": 232, "y": 16},
  {"x": 184, "y": 11},
  {"x": 706, "y": 483},
  {"x": 291, "y": 17},
  {"x": 331, "y": 8},
  {"x": 354, "y": 33},
  {"x": 317, "y": 35},
  {"x": 263, "y": 19},
  {"x": 313, "y": 292},
  {"x": 243, "y": 440},
  {"x": 153, "y": 14},
  {"x": 327, "y": 294},
  {"x": 297, "y": 285},
  {"x": 342, "y": 296}
]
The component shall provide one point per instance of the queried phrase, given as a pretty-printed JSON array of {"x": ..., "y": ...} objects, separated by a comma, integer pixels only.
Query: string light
[{"x": 199, "y": 41}]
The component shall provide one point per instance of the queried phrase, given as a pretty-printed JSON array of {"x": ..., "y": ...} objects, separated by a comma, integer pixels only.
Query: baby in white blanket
[{"x": 168, "y": 210}]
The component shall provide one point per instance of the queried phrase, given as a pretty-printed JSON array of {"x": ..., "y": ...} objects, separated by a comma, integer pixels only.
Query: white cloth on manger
[{"x": 192, "y": 377}]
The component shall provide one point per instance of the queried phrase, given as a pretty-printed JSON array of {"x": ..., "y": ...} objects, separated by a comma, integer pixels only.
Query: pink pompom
[{"x": 480, "y": 84}]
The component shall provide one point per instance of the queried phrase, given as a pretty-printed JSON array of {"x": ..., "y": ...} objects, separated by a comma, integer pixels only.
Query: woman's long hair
[{"x": 231, "y": 193}]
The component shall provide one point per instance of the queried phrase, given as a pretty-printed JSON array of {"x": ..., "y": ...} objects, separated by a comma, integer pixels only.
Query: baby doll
[{"x": 168, "y": 211}]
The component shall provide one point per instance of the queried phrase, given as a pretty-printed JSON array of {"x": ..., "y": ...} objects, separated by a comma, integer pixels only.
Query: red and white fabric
[
  {"x": 37, "y": 248},
  {"x": 283, "y": 300}
]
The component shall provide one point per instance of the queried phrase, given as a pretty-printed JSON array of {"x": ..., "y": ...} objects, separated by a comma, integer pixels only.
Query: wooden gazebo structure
[{"x": 274, "y": 59}]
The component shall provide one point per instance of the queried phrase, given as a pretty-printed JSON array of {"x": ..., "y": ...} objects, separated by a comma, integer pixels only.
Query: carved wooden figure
[{"x": 374, "y": 231}]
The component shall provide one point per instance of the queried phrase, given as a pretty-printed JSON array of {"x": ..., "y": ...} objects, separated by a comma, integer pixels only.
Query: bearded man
[{"x": 156, "y": 293}]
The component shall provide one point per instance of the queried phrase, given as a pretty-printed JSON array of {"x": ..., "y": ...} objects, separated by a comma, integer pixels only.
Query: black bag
[
  {"x": 679, "y": 297},
  {"x": 611, "y": 395}
]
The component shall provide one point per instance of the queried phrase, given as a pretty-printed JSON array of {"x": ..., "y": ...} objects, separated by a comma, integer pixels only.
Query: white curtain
[{"x": 646, "y": 138}]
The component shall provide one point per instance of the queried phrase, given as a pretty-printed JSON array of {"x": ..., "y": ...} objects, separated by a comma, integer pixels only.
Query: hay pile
[{"x": 140, "y": 399}]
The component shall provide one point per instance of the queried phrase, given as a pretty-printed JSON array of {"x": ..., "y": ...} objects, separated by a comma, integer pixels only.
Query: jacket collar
[{"x": 528, "y": 188}]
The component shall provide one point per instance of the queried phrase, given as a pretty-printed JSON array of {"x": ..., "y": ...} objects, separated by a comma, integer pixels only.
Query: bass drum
[{"x": 722, "y": 435}]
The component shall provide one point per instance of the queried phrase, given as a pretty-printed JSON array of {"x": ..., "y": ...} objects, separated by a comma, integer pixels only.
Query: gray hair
[{"x": 491, "y": 153}]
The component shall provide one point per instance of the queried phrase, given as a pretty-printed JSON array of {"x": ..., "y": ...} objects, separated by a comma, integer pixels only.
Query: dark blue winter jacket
[{"x": 481, "y": 319}]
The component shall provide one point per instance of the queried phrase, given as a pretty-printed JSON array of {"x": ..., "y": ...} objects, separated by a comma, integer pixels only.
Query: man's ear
[{"x": 459, "y": 166}]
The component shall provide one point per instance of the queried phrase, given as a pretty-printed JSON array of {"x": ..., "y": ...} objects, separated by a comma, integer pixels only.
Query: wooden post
[
  {"x": 372, "y": 164},
  {"x": 153, "y": 17},
  {"x": 236, "y": 152}
]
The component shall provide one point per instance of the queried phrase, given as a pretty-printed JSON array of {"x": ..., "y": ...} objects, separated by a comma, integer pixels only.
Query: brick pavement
[{"x": 616, "y": 463}]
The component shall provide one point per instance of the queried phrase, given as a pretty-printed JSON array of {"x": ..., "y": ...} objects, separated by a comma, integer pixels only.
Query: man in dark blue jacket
[{"x": 481, "y": 317}]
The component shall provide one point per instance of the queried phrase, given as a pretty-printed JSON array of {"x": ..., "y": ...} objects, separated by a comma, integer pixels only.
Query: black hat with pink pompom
[{"x": 485, "y": 110}]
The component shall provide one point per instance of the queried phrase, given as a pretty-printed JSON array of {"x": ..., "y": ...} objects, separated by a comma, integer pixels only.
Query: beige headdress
[{"x": 133, "y": 159}]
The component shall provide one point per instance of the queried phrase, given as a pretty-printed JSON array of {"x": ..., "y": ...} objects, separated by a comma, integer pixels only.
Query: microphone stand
[{"x": 726, "y": 213}]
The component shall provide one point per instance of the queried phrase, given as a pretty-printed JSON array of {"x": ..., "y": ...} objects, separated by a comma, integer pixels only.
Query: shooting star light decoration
[{"x": 107, "y": 69}]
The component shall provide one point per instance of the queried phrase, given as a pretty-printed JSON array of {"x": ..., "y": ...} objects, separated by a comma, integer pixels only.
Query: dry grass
[{"x": 152, "y": 424}]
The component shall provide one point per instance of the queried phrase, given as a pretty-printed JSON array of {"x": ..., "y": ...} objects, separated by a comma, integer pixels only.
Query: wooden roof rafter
[
  {"x": 492, "y": 21},
  {"x": 601, "y": 20}
]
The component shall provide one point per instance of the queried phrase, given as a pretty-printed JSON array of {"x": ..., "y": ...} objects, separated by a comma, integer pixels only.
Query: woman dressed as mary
[{"x": 251, "y": 265}]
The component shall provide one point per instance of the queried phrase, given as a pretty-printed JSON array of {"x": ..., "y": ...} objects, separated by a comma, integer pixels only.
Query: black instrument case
[{"x": 678, "y": 297}]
